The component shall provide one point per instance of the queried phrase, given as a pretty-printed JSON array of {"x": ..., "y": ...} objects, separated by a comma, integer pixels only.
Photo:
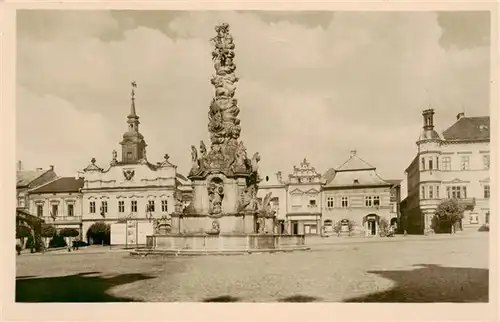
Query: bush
[
  {"x": 48, "y": 231},
  {"x": 57, "y": 241},
  {"x": 79, "y": 243}
]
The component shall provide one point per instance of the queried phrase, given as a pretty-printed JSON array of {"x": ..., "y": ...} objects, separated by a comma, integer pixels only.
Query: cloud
[{"x": 357, "y": 80}]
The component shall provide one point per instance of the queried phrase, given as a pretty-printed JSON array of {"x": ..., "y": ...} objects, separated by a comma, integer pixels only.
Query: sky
[{"x": 313, "y": 85}]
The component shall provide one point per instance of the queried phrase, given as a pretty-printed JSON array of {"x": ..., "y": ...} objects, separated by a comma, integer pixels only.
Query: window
[
  {"x": 39, "y": 210},
  {"x": 473, "y": 219},
  {"x": 423, "y": 164},
  {"x": 129, "y": 156},
  {"x": 133, "y": 206},
  {"x": 368, "y": 201},
  {"x": 20, "y": 202},
  {"x": 104, "y": 207},
  {"x": 486, "y": 161},
  {"x": 345, "y": 202},
  {"x": 71, "y": 210},
  {"x": 329, "y": 202},
  {"x": 464, "y": 162},
  {"x": 446, "y": 166},
  {"x": 151, "y": 205},
  {"x": 487, "y": 191},
  {"x": 55, "y": 210},
  {"x": 92, "y": 207},
  {"x": 487, "y": 218},
  {"x": 164, "y": 206},
  {"x": 437, "y": 163},
  {"x": 121, "y": 206},
  {"x": 437, "y": 192},
  {"x": 310, "y": 229},
  {"x": 422, "y": 192},
  {"x": 312, "y": 202},
  {"x": 430, "y": 163},
  {"x": 456, "y": 192},
  {"x": 376, "y": 201},
  {"x": 431, "y": 192}
]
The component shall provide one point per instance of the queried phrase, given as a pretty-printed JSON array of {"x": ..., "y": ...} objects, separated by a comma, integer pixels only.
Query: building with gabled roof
[
  {"x": 131, "y": 188},
  {"x": 59, "y": 203},
  {"x": 29, "y": 179},
  {"x": 356, "y": 198},
  {"x": 453, "y": 165}
]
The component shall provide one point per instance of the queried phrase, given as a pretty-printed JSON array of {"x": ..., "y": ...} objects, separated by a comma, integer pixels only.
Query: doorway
[
  {"x": 371, "y": 222},
  {"x": 372, "y": 227},
  {"x": 295, "y": 228}
]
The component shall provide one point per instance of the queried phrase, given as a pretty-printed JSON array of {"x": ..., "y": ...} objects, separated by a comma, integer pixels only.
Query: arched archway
[{"x": 327, "y": 226}]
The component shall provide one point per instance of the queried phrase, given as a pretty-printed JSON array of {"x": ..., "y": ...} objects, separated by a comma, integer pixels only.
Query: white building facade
[{"x": 454, "y": 165}]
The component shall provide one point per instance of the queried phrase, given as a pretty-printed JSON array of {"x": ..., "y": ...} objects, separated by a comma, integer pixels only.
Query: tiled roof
[
  {"x": 328, "y": 176},
  {"x": 469, "y": 128},
  {"x": 64, "y": 184},
  {"x": 24, "y": 178},
  {"x": 357, "y": 178},
  {"x": 394, "y": 181},
  {"x": 355, "y": 163}
]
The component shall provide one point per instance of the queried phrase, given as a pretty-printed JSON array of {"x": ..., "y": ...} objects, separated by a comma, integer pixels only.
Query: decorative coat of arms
[{"x": 128, "y": 174}]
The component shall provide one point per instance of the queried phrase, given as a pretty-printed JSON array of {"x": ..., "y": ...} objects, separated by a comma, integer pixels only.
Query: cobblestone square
[{"x": 445, "y": 268}]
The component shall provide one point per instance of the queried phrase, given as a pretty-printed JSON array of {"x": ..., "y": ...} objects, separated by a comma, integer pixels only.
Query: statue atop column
[{"x": 227, "y": 154}]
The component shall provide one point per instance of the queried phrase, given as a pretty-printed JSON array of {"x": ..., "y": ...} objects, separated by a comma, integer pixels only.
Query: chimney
[
  {"x": 460, "y": 115},
  {"x": 19, "y": 165},
  {"x": 353, "y": 152},
  {"x": 78, "y": 175},
  {"x": 51, "y": 167},
  {"x": 39, "y": 169},
  {"x": 428, "y": 119}
]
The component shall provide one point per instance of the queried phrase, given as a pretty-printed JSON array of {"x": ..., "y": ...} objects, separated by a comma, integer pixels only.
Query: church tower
[{"x": 133, "y": 144}]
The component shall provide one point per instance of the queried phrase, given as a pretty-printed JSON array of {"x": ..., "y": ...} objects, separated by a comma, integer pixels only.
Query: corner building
[{"x": 454, "y": 165}]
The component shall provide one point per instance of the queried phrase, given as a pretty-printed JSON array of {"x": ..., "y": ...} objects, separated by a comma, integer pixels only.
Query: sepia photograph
[{"x": 253, "y": 156}]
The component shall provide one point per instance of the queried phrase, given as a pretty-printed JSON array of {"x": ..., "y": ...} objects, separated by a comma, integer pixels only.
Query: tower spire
[{"x": 133, "y": 144}]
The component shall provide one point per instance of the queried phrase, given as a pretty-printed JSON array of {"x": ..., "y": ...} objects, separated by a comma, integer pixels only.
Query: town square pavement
[{"x": 444, "y": 268}]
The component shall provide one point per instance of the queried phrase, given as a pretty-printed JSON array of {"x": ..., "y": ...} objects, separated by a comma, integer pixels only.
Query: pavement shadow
[
  {"x": 73, "y": 288},
  {"x": 431, "y": 284},
  {"x": 299, "y": 299},
  {"x": 223, "y": 298}
]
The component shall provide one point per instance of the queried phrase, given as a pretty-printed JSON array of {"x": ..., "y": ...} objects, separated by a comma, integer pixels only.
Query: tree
[
  {"x": 99, "y": 232},
  {"x": 448, "y": 213},
  {"x": 69, "y": 233},
  {"x": 34, "y": 223},
  {"x": 22, "y": 231},
  {"x": 48, "y": 231}
]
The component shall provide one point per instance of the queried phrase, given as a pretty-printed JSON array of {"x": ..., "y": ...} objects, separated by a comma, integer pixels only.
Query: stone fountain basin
[{"x": 222, "y": 244}]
